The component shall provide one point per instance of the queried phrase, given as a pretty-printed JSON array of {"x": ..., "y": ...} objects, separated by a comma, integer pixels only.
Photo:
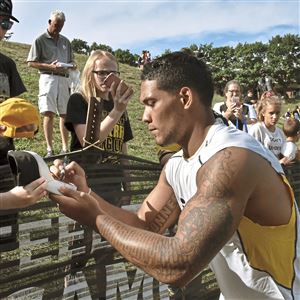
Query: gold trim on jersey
[{"x": 274, "y": 254}]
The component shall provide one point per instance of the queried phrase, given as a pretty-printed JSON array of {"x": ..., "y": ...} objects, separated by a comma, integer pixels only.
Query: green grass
[{"x": 143, "y": 145}]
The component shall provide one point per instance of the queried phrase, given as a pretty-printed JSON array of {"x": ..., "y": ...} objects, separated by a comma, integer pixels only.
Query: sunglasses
[
  {"x": 104, "y": 73},
  {"x": 6, "y": 24}
]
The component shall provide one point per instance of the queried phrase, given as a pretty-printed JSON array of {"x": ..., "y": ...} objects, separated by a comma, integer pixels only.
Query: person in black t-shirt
[
  {"x": 115, "y": 126},
  {"x": 11, "y": 84}
]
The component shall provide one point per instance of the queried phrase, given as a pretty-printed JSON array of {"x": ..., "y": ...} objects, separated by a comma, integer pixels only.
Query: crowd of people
[
  {"x": 260, "y": 119},
  {"x": 217, "y": 188}
]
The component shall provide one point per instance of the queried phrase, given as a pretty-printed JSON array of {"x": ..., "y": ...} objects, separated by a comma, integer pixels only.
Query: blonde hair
[
  {"x": 263, "y": 103},
  {"x": 88, "y": 85}
]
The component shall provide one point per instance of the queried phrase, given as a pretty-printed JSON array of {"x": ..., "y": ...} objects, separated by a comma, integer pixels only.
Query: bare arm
[
  {"x": 107, "y": 125},
  {"x": 20, "y": 196},
  {"x": 157, "y": 213},
  {"x": 53, "y": 67},
  {"x": 207, "y": 222},
  {"x": 205, "y": 225},
  {"x": 284, "y": 161}
]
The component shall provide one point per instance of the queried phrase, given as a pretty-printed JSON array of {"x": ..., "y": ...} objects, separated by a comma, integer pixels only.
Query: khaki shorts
[{"x": 54, "y": 93}]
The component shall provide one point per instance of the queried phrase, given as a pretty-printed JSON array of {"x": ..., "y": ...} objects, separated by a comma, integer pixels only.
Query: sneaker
[{"x": 49, "y": 153}]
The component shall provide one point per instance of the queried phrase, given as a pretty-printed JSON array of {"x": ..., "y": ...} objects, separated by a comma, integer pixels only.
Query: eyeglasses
[
  {"x": 104, "y": 73},
  {"x": 6, "y": 24},
  {"x": 234, "y": 91}
]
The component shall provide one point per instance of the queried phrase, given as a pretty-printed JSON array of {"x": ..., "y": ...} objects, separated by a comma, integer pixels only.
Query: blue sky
[{"x": 160, "y": 25}]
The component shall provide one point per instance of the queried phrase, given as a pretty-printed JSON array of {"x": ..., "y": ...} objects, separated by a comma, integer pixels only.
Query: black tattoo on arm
[
  {"x": 208, "y": 219},
  {"x": 162, "y": 217},
  {"x": 205, "y": 225}
]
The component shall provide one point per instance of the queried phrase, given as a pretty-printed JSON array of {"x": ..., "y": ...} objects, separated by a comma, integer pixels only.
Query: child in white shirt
[
  {"x": 266, "y": 130},
  {"x": 291, "y": 129}
]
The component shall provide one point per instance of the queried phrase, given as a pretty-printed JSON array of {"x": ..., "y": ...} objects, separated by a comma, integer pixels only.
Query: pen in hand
[{"x": 63, "y": 171}]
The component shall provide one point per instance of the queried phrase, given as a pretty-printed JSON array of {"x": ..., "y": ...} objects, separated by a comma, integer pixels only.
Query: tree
[
  {"x": 283, "y": 59},
  {"x": 249, "y": 64},
  {"x": 204, "y": 52},
  {"x": 79, "y": 46},
  {"x": 125, "y": 57},
  {"x": 222, "y": 65},
  {"x": 103, "y": 47},
  {"x": 167, "y": 51}
]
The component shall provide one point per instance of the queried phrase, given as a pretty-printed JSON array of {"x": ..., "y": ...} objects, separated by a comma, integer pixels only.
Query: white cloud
[{"x": 128, "y": 24}]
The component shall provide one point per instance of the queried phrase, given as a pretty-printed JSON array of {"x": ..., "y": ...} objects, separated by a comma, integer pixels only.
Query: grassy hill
[{"x": 142, "y": 145}]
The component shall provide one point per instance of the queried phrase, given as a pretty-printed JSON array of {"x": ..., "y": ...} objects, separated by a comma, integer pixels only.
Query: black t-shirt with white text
[{"x": 77, "y": 114}]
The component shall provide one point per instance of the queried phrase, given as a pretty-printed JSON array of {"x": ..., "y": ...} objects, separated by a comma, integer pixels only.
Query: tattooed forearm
[
  {"x": 205, "y": 225},
  {"x": 162, "y": 217},
  {"x": 155, "y": 254}
]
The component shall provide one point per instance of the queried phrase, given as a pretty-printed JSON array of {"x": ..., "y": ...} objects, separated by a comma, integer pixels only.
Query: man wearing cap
[
  {"x": 11, "y": 84},
  {"x": 52, "y": 55},
  {"x": 20, "y": 118}
]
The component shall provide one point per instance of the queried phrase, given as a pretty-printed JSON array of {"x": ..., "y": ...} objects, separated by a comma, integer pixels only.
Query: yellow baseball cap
[{"x": 20, "y": 118}]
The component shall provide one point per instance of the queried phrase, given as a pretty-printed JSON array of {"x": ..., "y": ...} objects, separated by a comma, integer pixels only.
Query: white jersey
[
  {"x": 258, "y": 262},
  {"x": 272, "y": 140}
]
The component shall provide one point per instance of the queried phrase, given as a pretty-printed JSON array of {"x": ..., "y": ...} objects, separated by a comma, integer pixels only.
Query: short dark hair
[
  {"x": 291, "y": 127},
  {"x": 178, "y": 69}
]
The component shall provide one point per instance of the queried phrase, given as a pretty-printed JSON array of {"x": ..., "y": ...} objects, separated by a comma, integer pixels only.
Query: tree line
[
  {"x": 123, "y": 56},
  {"x": 279, "y": 59}
]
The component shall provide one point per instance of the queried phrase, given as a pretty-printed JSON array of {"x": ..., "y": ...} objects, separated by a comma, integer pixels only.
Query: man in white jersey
[{"x": 235, "y": 209}]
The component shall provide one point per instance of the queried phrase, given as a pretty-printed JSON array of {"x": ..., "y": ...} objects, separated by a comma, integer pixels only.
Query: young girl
[
  {"x": 114, "y": 116},
  {"x": 115, "y": 132},
  {"x": 266, "y": 131}
]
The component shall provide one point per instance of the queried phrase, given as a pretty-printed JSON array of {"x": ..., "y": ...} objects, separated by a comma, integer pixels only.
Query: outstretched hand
[
  {"x": 20, "y": 196},
  {"x": 78, "y": 206}
]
